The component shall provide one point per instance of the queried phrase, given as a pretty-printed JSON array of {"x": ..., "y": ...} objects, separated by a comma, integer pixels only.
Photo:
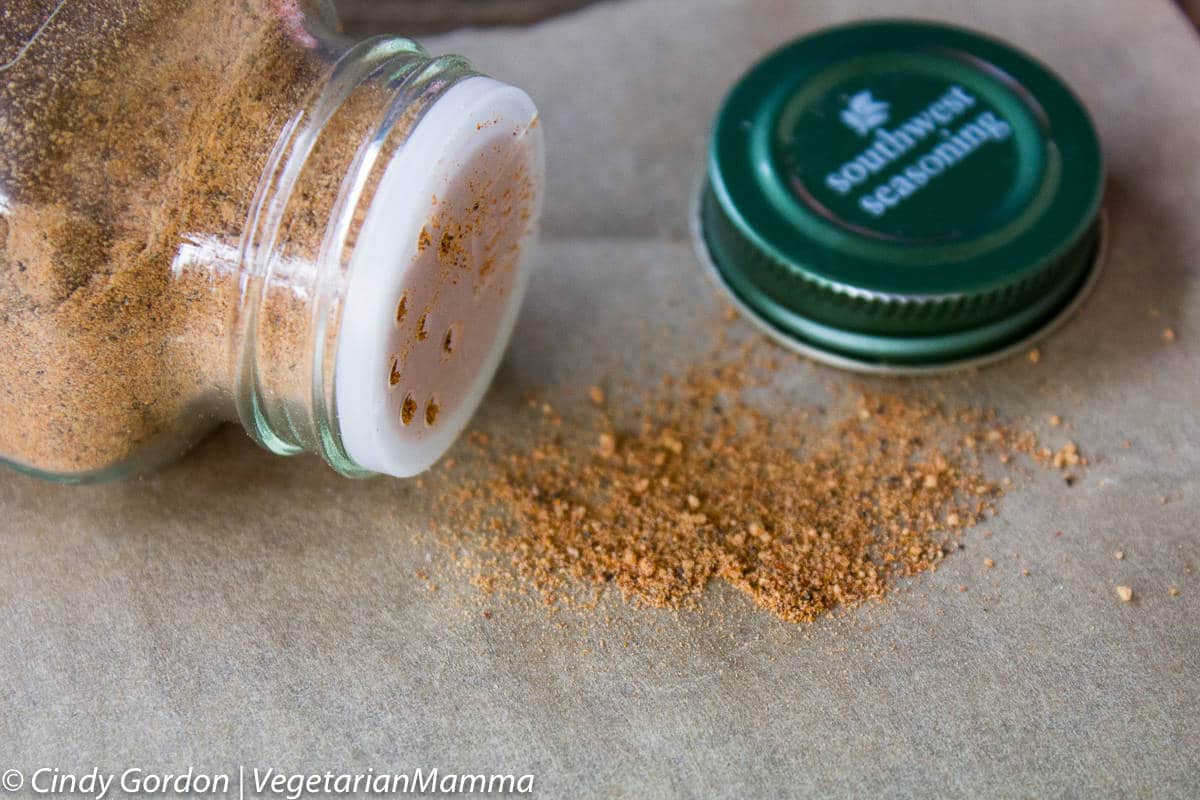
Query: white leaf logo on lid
[{"x": 864, "y": 113}]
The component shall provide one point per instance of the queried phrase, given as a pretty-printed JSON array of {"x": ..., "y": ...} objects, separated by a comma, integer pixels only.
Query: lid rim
[
  {"x": 871, "y": 363},
  {"x": 798, "y": 290}
]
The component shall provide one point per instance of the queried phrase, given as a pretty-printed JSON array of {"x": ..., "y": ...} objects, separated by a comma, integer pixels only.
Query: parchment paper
[{"x": 240, "y": 608}]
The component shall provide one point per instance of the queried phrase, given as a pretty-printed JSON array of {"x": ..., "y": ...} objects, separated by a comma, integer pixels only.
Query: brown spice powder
[
  {"x": 697, "y": 484},
  {"x": 133, "y": 137},
  {"x": 126, "y": 128}
]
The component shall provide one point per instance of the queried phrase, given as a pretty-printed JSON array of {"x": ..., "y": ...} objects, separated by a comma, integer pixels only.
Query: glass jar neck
[{"x": 283, "y": 284}]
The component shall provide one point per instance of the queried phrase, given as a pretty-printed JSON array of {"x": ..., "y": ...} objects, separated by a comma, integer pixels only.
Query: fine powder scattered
[{"x": 801, "y": 511}]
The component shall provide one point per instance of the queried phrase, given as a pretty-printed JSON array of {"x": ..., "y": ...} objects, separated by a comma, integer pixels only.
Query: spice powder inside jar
[{"x": 196, "y": 233}]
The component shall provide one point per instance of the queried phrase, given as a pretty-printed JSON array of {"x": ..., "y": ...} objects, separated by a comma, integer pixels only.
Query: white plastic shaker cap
[{"x": 437, "y": 277}]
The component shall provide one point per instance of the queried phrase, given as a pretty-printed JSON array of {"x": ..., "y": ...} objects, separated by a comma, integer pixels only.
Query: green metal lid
[{"x": 902, "y": 195}]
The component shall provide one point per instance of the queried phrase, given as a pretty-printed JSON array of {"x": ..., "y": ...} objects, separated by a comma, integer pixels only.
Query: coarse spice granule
[{"x": 803, "y": 512}]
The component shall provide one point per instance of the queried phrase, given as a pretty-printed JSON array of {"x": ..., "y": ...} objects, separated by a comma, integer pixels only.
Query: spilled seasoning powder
[{"x": 801, "y": 512}]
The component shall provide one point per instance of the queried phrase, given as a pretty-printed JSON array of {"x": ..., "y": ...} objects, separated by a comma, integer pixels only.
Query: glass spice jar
[{"x": 226, "y": 210}]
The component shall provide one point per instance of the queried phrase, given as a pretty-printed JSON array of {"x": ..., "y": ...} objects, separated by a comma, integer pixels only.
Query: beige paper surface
[{"x": 240, "y": 608}]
